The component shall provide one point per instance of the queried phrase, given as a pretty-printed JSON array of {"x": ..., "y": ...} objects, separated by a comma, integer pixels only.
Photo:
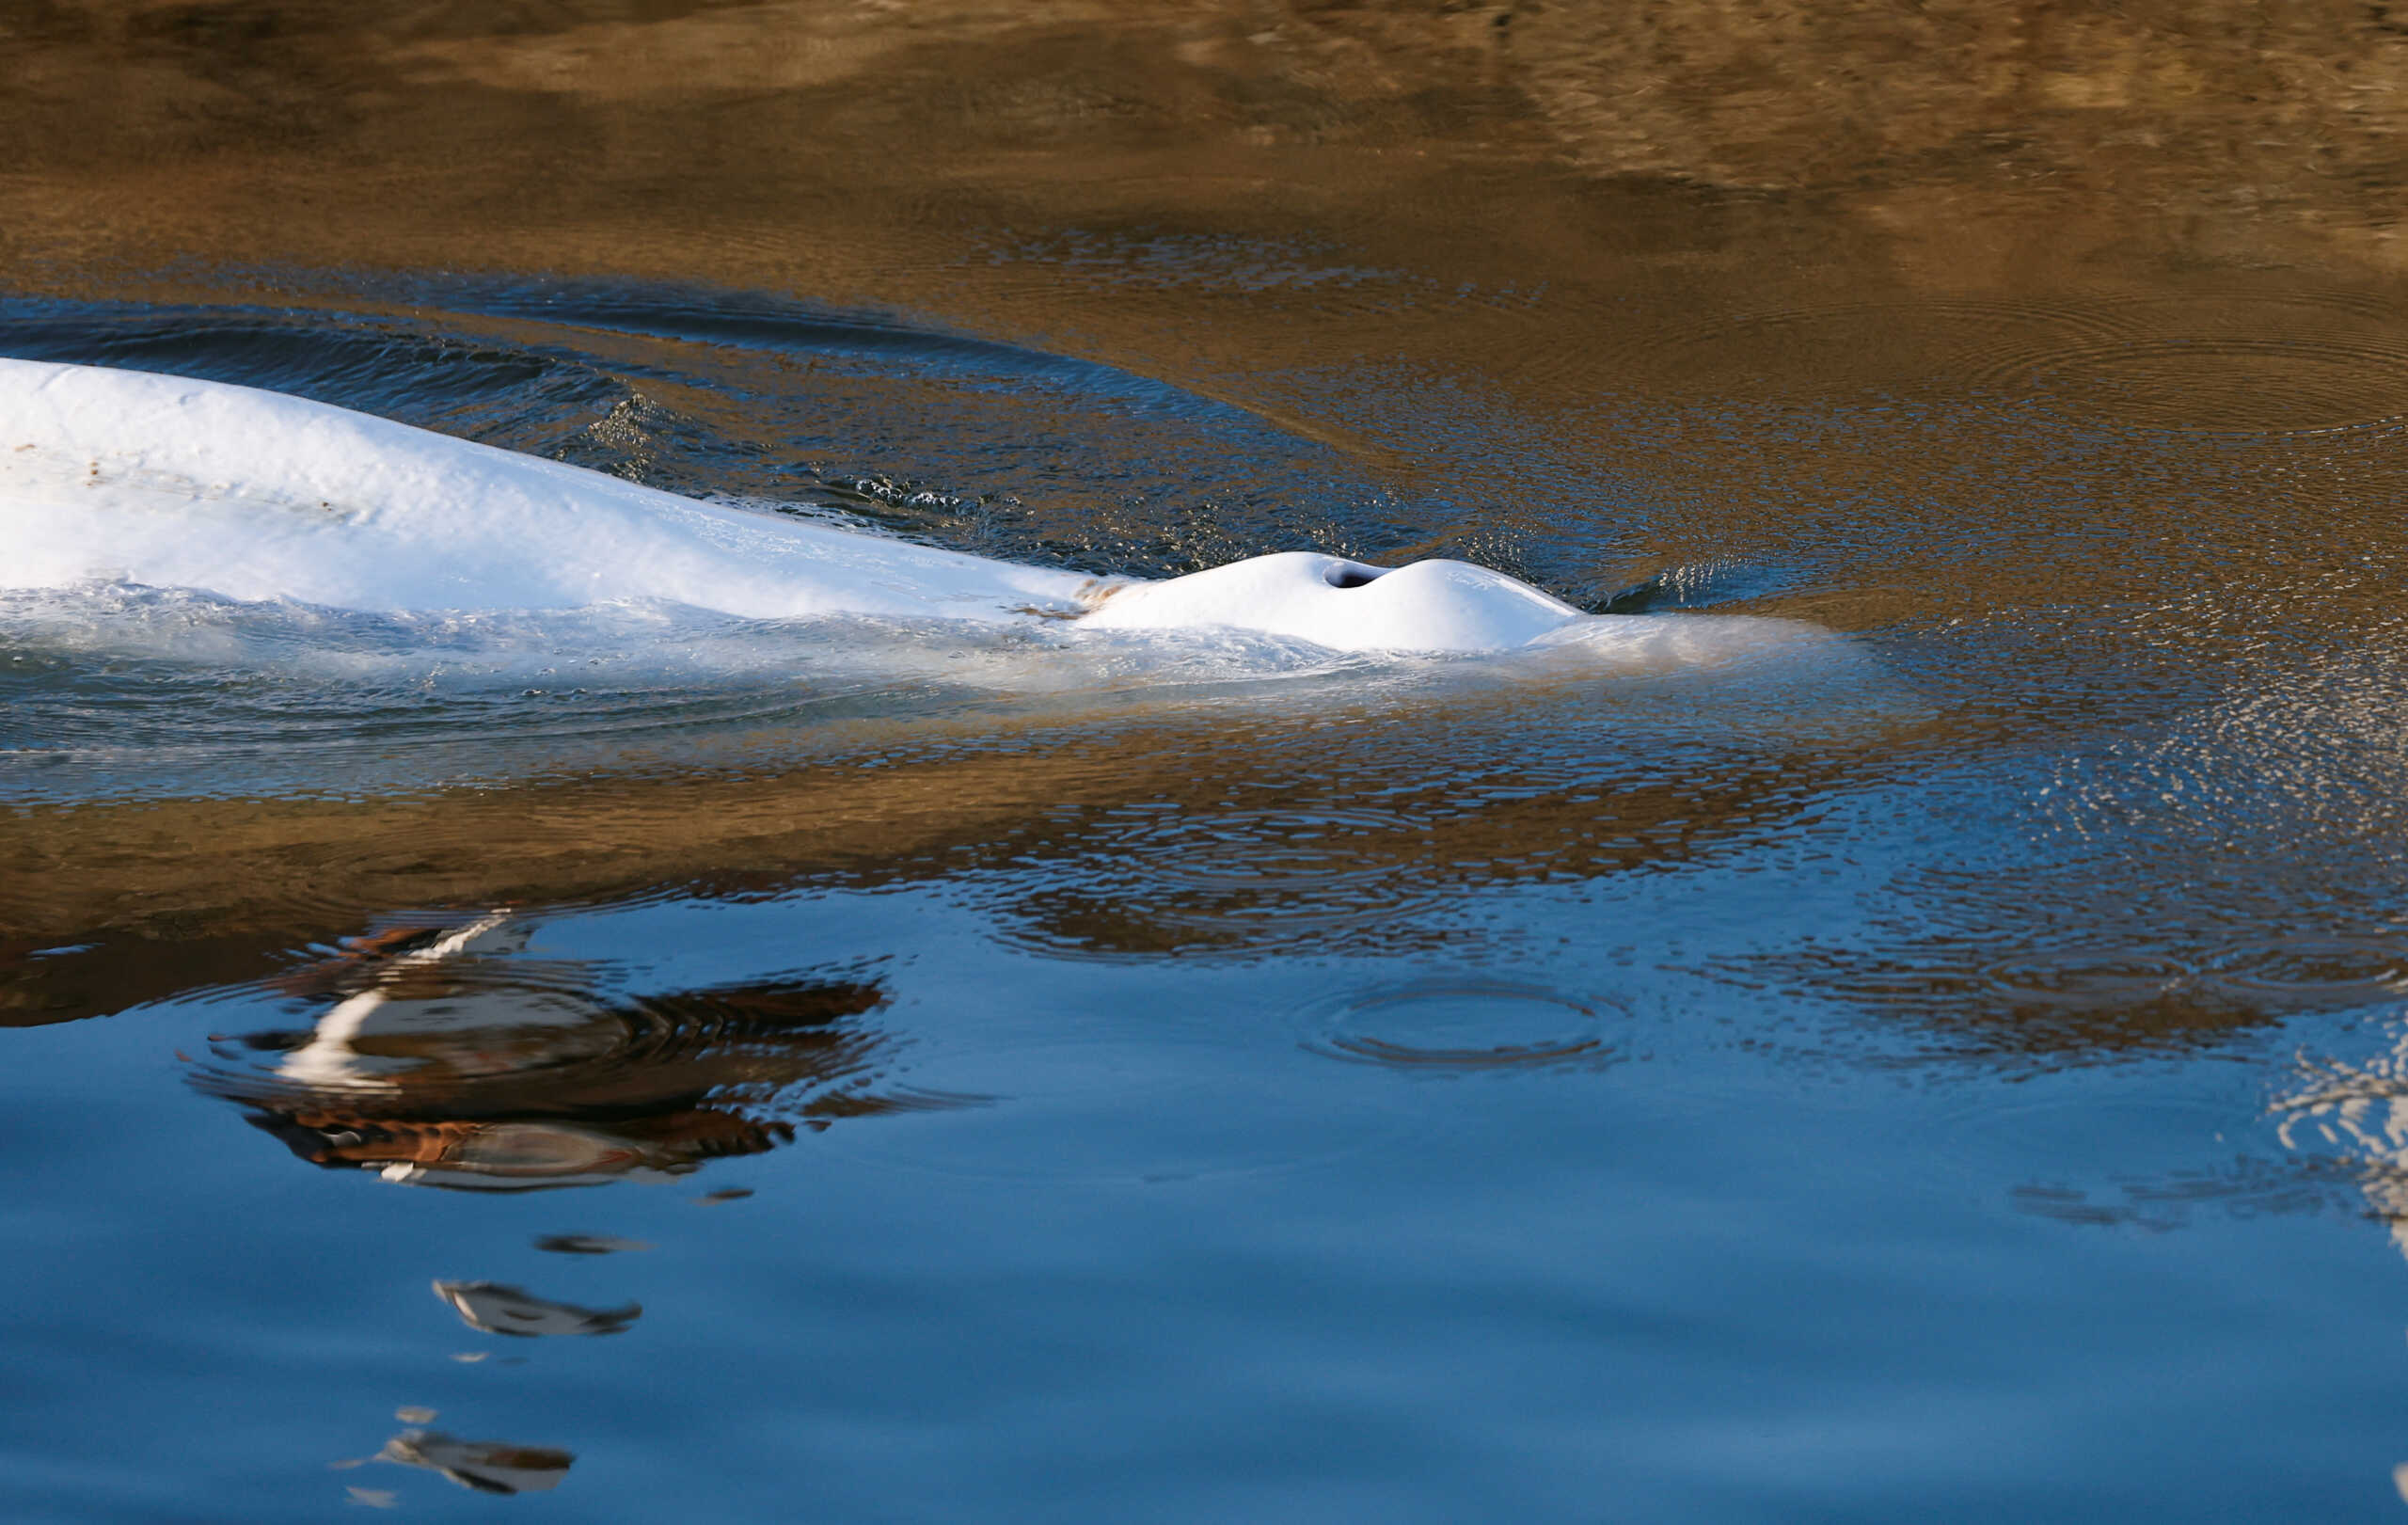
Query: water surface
[{"x": 634, "y": 1064}]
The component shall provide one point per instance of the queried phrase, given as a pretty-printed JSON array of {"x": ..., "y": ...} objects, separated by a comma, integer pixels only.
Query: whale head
[{"x": 1426, "y": 606}]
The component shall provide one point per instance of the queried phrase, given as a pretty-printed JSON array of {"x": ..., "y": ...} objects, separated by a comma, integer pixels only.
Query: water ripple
[{"x": 1455, "y": 1027}]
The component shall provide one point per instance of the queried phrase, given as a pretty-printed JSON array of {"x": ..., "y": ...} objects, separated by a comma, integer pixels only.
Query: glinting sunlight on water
[{"x": 1413, "y": 762}]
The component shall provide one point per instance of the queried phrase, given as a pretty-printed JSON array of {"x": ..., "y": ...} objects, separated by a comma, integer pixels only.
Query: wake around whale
[{"x": 129, "y": 476}]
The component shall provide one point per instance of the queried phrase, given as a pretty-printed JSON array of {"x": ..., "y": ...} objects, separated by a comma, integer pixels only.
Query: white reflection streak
[
  {"x": 2360, "y": 1113},
  {"x": 333, "y": 1057}
]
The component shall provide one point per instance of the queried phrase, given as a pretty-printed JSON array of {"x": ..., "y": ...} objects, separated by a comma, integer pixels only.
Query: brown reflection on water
[
  {"x": 2231, "y": 129},
  {"x": 1216, "y": 833},
  {"x": 1257, "y": 185},
  {"x": 441, "y": 1059}
]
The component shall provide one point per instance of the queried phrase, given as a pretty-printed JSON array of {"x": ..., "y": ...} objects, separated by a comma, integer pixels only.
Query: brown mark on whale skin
[
  {"x": 163, "y": 486},
  {"x": 1089, "y": 598}
]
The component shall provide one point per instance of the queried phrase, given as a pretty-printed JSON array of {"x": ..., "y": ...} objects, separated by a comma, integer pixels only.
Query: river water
[{"x": 637, "y": 1065}]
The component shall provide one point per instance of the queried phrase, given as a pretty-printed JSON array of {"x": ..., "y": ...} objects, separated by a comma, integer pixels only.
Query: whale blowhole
[{"x": 1352, "y": 575}]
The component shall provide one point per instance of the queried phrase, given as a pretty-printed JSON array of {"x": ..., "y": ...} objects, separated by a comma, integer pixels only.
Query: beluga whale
[{"x": 110, "y": 475}]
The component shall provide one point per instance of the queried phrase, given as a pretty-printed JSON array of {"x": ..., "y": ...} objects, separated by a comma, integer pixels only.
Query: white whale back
[
  {"x": 129, "y": 476},
  {"x": 254, "y": 494}
]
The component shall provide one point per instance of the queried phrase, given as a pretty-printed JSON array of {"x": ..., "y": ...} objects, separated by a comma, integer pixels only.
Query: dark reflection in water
[
  {"x": 588, "y": 1244},
  {"x": 480, "y": 1465},
  {"x": 497, "y": 1308},
  {"x": 438, "y": 1058}
]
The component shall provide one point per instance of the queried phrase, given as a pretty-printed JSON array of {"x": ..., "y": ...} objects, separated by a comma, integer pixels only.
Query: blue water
[
  {"x": 1159, "y": 1257},
  {"x": 1259, "y": 1089}
]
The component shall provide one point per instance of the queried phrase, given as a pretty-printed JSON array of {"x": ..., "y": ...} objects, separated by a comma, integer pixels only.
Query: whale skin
[{"x": 132, "y": 476}]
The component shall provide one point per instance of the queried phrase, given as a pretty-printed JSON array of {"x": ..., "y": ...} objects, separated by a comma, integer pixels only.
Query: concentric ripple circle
[
  {"x": 2332, "y": 967},
  {"x": 2230, "y": 384},
  {"x": 1462, "y": 1028}
]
